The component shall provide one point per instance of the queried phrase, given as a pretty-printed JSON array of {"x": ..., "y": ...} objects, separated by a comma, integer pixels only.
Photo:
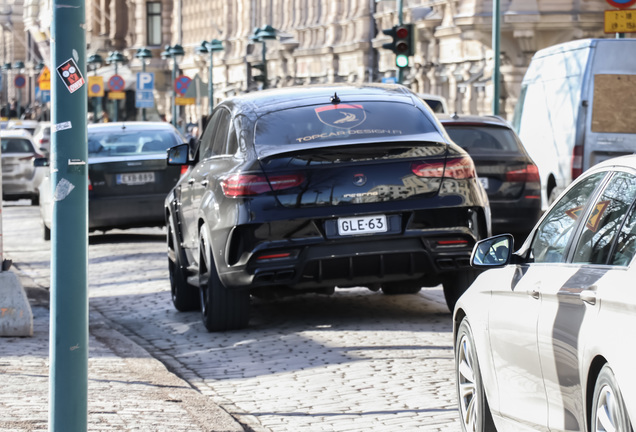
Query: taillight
[
  {"x": 184, "y": 169},
  {"x": 529, "y": 174},
  {"x": 460, "y": 168},
  {"x": 90, "y": 185},
  {"x": 428, "y": 169},
  {"x": 238, "y": 185},
  {"x": 577, "y": 161}
]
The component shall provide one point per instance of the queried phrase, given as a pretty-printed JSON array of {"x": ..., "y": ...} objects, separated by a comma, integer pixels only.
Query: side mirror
[
  {"x": 178, "y": 155},
  {"x": 41, "y": 162},
  {"x": 493, "y": 252}
]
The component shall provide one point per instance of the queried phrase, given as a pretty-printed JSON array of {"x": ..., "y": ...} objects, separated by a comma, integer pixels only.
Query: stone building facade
[{"x": 327, "y": 41}]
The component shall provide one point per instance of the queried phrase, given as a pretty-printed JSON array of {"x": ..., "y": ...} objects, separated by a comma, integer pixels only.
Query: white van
[{"x": 577, "y": 107}]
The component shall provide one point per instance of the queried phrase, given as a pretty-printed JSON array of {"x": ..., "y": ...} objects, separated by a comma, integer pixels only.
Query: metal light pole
[
  {"x": 19, "y": 66},
  {"x": 496, "y": 34},
  {"x": 175, "y": 52},
  {"x": 144, "y": 55},
  {"x": 96, "y": 61},
  {"x": 263, "y": 34},
  {"x": 210, "y": 48},
  {"x": 68, "y": 382},
  {"x": 115, "y": 57},
  {"x": 6, "y": 68}
]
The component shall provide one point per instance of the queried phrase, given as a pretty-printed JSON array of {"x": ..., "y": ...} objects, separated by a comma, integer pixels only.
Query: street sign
[
  {"x": 181, "y": 84},
  {"x": 145, "y": 81},
  {"x": 116, "y": 83},
  {"x": 622, "y": 21},
  {"x": 44, "y": 80},
  {"x": 144, "y": 99},
  {"x": 621, "y": 4},
  {"x": 19, "y": 81},
  {"x": 95, "y": 86}
]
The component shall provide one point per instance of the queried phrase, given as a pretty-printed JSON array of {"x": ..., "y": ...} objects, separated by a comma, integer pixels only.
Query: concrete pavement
[{"x": 128, "y": 390}]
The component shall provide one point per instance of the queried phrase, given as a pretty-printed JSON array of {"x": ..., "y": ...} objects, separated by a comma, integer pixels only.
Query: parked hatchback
[
  {"x": 306, "y": 189},
  {"x": 20, "y": 178},
  {"x": 508, "y": 174},
  {"x": 127, "y": 173},
  {"x": 543, "y": 337}
]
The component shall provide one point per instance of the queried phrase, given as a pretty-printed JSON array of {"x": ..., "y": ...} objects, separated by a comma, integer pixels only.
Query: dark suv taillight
[
  {"x": 238, "y": 185},
  {"x": 529, "y": 174}
]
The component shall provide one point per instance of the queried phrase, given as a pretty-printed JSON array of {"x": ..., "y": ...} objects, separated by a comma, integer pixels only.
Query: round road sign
[
  {"x": 181, "y": 84},
  {"x": 116, "y": 83},
  {"x": 621, "y": 4},
  {"x": 19, "y": 81}
]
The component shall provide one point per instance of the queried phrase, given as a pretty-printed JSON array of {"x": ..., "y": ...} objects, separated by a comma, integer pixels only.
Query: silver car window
[
  {"x": 605, "y": 220},
  {"x": 556, "y": 229}
]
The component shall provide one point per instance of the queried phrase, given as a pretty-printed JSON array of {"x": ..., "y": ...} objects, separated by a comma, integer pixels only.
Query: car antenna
[{"x": 335, "y": 99}]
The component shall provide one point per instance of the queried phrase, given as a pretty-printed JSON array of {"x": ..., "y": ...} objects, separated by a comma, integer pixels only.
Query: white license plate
[
  {"x": 136, "y": 178},
  {"x": 362, "y": 225},
  {"x": 484, "y": 182}
]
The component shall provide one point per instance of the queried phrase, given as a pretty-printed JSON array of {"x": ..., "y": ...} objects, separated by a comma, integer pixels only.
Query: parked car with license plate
[
  {"x": 508, "y": 174},
  {"x": 20, "y": 178},
  {"x": 128, "y": 175},
  {"x": 542, "y": 338},
  {"x": 305, "y": 189}
]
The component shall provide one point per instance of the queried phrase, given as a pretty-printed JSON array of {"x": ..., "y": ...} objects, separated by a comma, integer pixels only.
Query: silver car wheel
[
  {"x": 609, "y": 412},
  {"x": 473, "y": 406},
  {"x": 468, "y": 402}
]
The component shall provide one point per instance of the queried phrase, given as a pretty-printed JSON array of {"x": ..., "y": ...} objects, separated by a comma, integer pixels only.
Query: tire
[
  {"x": 455, "y": 284},
  {"x": 221, "y": 308},
  {"x": 185, "y": 297},
  {"x": 405, "y": 287},
  {"x": 608, "y": 407},
  {"x": 47, "y": 233},
  {"x": 35, "y": 200},
  {"x": 474, "y": 411}
]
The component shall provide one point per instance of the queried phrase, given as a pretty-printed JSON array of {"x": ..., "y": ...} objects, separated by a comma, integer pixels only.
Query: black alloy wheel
[
  {"x": 609, "y": 412},
  {"x": 221, "y": 308},
  {"x": 474, "y": 412},
  {"x": 185, "y": 297}
]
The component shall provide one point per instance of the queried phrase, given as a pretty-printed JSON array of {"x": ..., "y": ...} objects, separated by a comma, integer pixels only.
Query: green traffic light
[{"x": 401, "y": 60}]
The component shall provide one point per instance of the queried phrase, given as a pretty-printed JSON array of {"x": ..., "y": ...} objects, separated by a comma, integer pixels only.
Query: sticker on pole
[{"x": 71, "y": 75}]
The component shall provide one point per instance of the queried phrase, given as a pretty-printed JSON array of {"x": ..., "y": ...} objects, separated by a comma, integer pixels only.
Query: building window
[{"x": 153, "y": 23}]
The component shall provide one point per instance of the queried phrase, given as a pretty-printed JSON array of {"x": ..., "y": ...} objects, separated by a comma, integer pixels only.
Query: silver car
[
  {"x": 20, "y": 179},
  {"x": 543, "y": 338}
]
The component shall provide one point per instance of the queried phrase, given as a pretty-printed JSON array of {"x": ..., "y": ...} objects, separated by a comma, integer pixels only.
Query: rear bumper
[
  {"x": 362, "y": 262},
  {"x": 125, "y": 212}
]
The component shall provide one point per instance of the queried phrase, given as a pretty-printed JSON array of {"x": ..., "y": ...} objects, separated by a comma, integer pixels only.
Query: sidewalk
[{"x": 128, "y": 390}]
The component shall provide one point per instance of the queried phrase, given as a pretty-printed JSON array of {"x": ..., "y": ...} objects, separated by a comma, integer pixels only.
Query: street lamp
[
  {"x": 144, "y": 55},
  {"x": 261, "y": 35},
  {"x": 210, "y": 48},
  {"x": 95, "y": 61},
  {"x": 115, "y": 57},
  {"x": 176, "y": 53}
]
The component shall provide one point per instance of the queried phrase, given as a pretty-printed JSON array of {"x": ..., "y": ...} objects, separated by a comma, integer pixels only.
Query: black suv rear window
[
  {"x": 483, "y": 139},
  {"x": 337, "y": 122}
]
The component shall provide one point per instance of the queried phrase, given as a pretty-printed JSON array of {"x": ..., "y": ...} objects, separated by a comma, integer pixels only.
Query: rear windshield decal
[{"x": 343, "y": 116}]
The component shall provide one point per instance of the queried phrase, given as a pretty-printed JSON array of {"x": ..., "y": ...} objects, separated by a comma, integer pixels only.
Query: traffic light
[
  {"x": 402, "y": 44},
  {"x": 262, "y": 77}
]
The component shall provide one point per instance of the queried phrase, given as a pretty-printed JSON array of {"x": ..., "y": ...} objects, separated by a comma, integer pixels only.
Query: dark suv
[
  {"x": 305, "y": 189},
  {"x": 508, "y": 174}
]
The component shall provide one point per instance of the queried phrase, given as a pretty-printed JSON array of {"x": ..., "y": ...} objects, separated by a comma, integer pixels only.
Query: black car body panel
[
  {"x": 509, "y": 175},
  {"x": 368, "y": 206}
]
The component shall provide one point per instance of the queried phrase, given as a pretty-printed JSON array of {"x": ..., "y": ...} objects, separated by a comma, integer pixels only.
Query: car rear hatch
[
  {"x": 505, "y": 178},
  {"x": 131, "y": 175},
  {"x": 355, "y": 174}
]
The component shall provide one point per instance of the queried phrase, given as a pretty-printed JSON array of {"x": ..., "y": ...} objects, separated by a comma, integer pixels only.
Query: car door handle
[
  {"x": 534, "y": 293},
  {"x": 205, "y": 182},
  {"x": 589, "y": 296},
  {"x": 190, "y": 181}
]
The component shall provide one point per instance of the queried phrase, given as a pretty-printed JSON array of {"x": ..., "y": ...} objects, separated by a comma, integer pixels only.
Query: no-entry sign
[{"x": 621, "y": 4}]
